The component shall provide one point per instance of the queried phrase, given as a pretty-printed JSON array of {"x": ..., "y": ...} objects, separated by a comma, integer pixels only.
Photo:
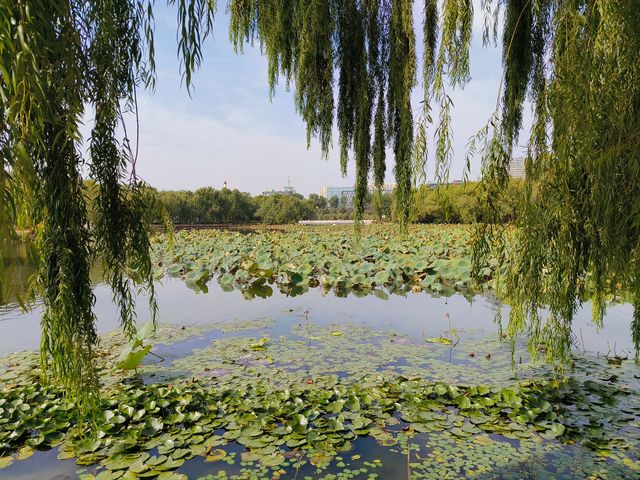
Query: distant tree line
[
  {"x": 208, "y": 205},
  {"x": 446, "y": 204}
]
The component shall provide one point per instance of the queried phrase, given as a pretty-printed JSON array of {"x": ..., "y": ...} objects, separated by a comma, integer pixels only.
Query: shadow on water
[
  {"x": 18, "y": 269},
  {"x": 385, "y": 463}
]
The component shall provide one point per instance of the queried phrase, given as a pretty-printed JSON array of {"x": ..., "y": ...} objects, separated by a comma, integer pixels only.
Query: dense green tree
[
  {"x": 59, "y": 59},
  {"x": 353, "y": 62},
  {"x": 381, "y": 204},
  {"x": 346, "y": 202},
  {"x": 280, "y": 209},
  {"x": 318, "y": 201},
  {"x": 579, "y": 224},
  {"x": 180, "y": 205},
  {"x": 207, "y": 205},
  {"x": 462, "y": 203}
]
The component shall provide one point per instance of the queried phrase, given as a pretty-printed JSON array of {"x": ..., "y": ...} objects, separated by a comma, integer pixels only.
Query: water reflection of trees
[{"x": 20, "y": 265}]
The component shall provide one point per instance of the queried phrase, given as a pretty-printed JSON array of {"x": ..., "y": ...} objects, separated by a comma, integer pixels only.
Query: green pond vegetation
[
  {"x": 378, "y": 261},
  {"x": 436, "y": 259},
  {"x": 353, "y": 67},
  {"x": 271, "y": 406},
  {"x": 441, "y": 259},
  {"x": 247, "y": 399}
]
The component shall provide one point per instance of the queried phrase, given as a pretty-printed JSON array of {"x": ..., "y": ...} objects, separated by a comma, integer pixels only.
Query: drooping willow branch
[
  {"x": 577, "y": 235},
  {"x": 353, "y": 66},
  {"x": 60, "y": 58}
]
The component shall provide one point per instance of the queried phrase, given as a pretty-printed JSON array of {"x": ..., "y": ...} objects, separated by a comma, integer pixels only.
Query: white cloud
[
  {"x": 185, "y": 151},
  {"x": 230, "y": 130}
]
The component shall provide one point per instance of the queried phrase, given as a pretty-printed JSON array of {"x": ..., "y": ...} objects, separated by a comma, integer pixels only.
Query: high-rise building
[
  {"x": 516, "y": 167},
  {"x": 340, "y": 192}
]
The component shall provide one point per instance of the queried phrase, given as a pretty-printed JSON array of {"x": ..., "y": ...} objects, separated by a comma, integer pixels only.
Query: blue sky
[{"x": 230, "y": 130}]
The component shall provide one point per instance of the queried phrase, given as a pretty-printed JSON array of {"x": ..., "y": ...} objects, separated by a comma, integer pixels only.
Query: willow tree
[
  {"x": 352, "y": 64},
  {"x": 578, "y": 235},
  {"x": 60, "y": 60}
]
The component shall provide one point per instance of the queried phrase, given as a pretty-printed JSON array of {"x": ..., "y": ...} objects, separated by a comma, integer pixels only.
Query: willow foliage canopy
[{"x": 352, "y": 64}]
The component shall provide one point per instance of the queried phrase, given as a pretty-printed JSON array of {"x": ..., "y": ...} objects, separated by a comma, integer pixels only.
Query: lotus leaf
[{"x": 133, "y": 358}]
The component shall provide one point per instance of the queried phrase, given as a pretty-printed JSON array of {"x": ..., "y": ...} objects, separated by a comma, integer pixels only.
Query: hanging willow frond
[
  {"x": 58, "y": 59},
  {"x": 378, "y": 60},
  {"x": 579, "y": 226},
  {"x": 370, "y": 46},
  {"x": 195, "y": 24},
  {"x": 518, "y": 59},
  {"x": 430, "y": 39}
]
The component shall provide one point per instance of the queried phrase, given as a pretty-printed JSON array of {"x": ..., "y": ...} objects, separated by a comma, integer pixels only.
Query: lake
[{"x": 319, "y": 338}]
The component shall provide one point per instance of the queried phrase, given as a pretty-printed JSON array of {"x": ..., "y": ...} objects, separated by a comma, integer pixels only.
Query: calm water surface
[{"x": 416, "y": 316}]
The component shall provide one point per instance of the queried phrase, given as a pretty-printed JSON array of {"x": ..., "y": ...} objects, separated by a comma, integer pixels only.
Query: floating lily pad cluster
[
  {"x": 435, "y": 260},
  {"x": 187, "y": 419},
  {"x": 312, "y": 420},
  {"x": 349, "y": 351}
]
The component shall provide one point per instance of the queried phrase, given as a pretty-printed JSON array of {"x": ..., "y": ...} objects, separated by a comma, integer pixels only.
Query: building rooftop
[{"x": 287, "y": 190}]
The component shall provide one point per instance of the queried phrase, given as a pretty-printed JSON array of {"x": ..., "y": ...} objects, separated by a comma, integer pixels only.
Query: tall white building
[{"x": 516, "y": 167}]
